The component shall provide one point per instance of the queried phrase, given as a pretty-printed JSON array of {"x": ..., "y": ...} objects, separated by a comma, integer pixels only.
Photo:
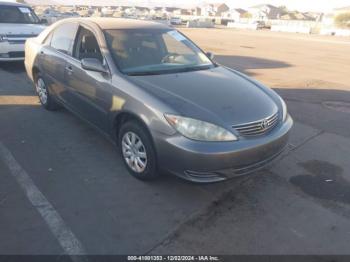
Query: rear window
[{"x": 17, "y": 15}]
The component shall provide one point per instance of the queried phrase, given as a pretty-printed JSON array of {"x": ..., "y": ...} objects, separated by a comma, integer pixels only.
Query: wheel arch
[
  {"x": 125, "y": 116},
  {"x": 35, "y": 72}
]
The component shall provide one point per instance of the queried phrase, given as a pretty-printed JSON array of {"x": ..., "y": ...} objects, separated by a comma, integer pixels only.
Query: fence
[{"x": 243, "y": 25}]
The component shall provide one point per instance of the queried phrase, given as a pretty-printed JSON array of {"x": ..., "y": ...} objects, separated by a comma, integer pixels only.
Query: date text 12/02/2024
[{"x": 174, "y": 258}]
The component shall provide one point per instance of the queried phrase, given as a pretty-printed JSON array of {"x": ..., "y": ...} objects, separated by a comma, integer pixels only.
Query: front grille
[
  {"x": 16, "y": 54},
  {"x": 19, "y": 38},
  {"x": 21, "y": 35},
  {"x": 259, "y": 127},
  {"x": 17, "y": 41}
]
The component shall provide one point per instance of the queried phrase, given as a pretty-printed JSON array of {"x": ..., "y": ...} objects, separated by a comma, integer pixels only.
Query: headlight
[
  {"x": 199, "y": 130},
  {"x": 3, "y": 38},
  {"x": 284, "y": 109}
]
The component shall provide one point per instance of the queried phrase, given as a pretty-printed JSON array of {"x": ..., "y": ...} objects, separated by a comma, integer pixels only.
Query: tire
[
  {"x": 134, "y": 154},
  {"x": 46, "y": 100}
]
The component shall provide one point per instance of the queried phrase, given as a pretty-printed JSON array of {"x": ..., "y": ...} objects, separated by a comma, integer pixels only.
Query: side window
[
  {"x": 86, "y": 45},
  {"x": 63, "y": 38}
]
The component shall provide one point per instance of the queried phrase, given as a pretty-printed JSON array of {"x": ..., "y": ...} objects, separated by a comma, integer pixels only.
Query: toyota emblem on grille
[{"x": 264, "y": 124}]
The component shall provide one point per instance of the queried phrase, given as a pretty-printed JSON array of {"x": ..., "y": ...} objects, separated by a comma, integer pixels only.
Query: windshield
[
  {"x": 154, "y": 51},
  {"x": 17, "y": 15}
]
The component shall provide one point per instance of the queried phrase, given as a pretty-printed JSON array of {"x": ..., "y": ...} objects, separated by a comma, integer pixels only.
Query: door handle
[{"x": 69, "y": 69}]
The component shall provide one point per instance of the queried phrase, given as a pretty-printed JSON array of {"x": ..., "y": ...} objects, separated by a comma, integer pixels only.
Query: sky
[{"x": 301, "y": 5}]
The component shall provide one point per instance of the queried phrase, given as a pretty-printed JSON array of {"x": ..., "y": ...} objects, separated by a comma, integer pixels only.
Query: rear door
[
  {"x": 57, "y": 49},
  {"x": 90, "y": 91}
]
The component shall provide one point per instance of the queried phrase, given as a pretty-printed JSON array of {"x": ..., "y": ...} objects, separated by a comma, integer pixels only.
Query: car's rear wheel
[
  {"x": 137, "y": 151},
  {"x": 44, "y": 95}
]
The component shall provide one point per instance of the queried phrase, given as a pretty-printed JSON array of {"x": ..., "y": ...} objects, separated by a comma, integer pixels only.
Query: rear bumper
[{"x": 217, "y": 161}]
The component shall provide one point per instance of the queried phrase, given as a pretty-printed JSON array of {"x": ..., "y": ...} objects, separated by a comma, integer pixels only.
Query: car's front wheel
[
  {"x": 137, "y": 151},
  {"x": 43, "y": 93}
]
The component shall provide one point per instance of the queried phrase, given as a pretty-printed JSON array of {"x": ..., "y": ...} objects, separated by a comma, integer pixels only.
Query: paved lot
[{"x": 63, "y": 186}]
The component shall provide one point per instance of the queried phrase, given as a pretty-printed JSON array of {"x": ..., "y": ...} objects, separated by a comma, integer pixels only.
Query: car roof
[
  {"x": 120, "y": 23},
  {"x": 13, "y": 4}
]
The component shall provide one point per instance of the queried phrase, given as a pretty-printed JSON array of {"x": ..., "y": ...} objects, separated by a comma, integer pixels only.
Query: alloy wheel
[
  {"x": 41, "y": 90},
  {"x": 134, "y": 152}
]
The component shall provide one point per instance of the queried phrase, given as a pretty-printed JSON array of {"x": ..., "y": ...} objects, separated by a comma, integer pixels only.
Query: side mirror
[
  {"x": 93, "y": 64},
  {"x": 210, "y": 55},
  {"x": 43, "y": 21}
]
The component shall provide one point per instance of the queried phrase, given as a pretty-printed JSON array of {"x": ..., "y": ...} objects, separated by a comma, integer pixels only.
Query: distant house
[
  {"x": 295, "y": 15},
  {"x": 181, "y": 11},
  {"x": 142, "y": 11},
  {"x": 173, "y": 10},
  {"x": 288, "y": 16},
  {"x": 198, "y": 11},
  {"x": 159, "y": 12},
  {"x": 265, "y": 12},
  {"x": 214, "y": 9},
  {"x": 123, "y": 8},
  {"x": 315, "y": 16},
  {"x": 234, "y": 14},
  {"x": 130, "y": 11}
]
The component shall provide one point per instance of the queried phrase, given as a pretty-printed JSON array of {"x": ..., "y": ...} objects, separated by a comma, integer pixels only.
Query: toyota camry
[{"x": 167, "y": 105}]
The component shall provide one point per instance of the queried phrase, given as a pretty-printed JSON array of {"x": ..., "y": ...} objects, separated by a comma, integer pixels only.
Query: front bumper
[
  {"x": 11, "y": 52},
  {"x": 217, "y": 161},
  {"x": 10, "y": 59}
]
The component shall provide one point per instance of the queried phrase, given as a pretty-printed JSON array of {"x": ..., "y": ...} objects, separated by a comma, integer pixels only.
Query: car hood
[
  {"x": 21, "y": 29},
  {"x": 217, "y": 95}
]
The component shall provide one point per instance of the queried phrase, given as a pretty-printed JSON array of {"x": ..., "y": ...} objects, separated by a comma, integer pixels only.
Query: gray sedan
[{"x": 165, "y": 103}]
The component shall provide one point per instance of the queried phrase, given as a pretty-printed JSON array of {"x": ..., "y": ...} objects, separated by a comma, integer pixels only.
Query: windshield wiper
[
  {"x": 194, "y": 68},
  {"x": 169, "y": 71},
  {"x": 146, "y": 73}
]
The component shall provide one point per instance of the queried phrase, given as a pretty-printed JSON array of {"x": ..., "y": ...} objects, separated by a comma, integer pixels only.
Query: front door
[{"x": 90, "y": 92}]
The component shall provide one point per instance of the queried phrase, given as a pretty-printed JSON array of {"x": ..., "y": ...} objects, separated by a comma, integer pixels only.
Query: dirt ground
[{"x": 283, "y": 60}]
